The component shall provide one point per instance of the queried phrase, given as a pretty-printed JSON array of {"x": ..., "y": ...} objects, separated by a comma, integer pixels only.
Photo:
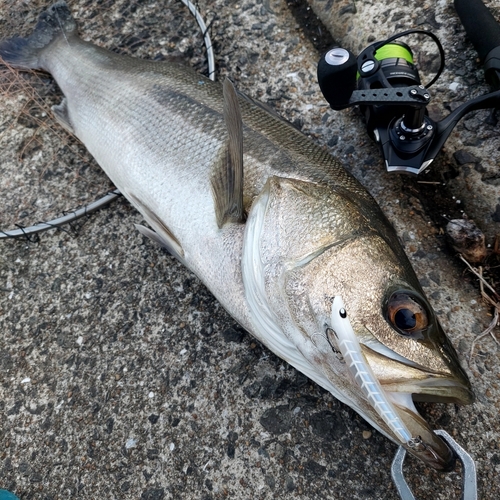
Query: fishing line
[
  {"x": 74, "y": 215},
  {"x": 206, "y": 37}
]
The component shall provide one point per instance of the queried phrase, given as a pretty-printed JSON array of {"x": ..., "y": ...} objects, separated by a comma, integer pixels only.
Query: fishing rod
[
  {"x": 73, "y": 215},
  {"x": 384, "y": 82},
  {"x": 484, "y": 33}
]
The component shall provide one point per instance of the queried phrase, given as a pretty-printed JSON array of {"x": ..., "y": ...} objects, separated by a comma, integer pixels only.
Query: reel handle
[{"x": 337, "y": 77}]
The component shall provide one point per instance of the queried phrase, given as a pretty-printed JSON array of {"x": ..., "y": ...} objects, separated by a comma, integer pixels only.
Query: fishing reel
[{"x": 384, "y": 82}]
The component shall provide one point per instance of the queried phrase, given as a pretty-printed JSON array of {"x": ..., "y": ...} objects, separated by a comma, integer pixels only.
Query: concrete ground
[{"x": 121, "y": 377}]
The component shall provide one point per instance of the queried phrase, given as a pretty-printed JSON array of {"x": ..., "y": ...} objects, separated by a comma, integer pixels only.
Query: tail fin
[{"x": 25, "y": 52}]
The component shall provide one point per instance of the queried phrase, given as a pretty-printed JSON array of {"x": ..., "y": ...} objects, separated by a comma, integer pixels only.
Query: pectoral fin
[{"x": 227, "y": 177}]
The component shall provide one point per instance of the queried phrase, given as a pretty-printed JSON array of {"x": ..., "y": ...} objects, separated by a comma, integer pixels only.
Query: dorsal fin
[{"x": 227, "y": 177}]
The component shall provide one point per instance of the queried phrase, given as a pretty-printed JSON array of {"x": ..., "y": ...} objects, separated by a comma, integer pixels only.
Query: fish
[{"x": 290, "y": 244}]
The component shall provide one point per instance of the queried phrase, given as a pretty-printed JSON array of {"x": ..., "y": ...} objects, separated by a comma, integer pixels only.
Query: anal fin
[
  {"x": 61, "y": 114},
  {"x": 227, "y": 176}
]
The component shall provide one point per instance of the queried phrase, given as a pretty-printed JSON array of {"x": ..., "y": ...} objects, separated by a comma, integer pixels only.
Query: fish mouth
[
  {"x": 405, "y": 382},
  {"x": 399, "y": 375},
  {"x": 387, "y": 380},
  {"x": 425, "y": 443}
]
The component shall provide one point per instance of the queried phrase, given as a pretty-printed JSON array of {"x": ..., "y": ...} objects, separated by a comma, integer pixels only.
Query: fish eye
[{"x": 406, "y": 315}]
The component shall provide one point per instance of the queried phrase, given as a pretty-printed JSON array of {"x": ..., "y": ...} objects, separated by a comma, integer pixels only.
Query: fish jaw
[
  {"x": 426, "y": 444},
  {"x": 397, "y": 375},
  {"x": 292, "y": 277},
  {"x": 403, "y": 384}
]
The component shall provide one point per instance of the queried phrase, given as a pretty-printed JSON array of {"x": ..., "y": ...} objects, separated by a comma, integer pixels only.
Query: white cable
[
  {"x": 206, "y": 37},
  {"x": 65, "y": 219}
]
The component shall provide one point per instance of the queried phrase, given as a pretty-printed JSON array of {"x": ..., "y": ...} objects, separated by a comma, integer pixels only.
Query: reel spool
[{"x": 390, "y": 66}]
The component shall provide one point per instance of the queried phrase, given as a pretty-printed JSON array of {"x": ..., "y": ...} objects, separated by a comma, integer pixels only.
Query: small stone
[
  {"x": 109, "y": 425},
  {"x": 131, "y": 443},
  {"x": 277, "y": 420},
  {"x": 462, "y": 157},
  {"x": 36, "y": 478},
  {"x": 153, "y": 418},
  {"x": 270, "y": 481},
  {"x": 314, "y": 468},
  {"x": 367, "y": 434},
  {"x": 467, "y": 239},
  {"x": 333, "y": 141},
  {"x": 496, "y": 214},
  {"x": 434, "y": 276},
  {"x": 233, "y": 334},
  {"x": 153, "y": 494},
  {"x": 279, "y": 451},
  {"x": 329, "y": 424},
  {"x": 425, "y": 282}
]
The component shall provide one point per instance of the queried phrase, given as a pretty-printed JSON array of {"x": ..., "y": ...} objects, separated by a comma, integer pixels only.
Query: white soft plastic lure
[{"x": 363, "y": 375}]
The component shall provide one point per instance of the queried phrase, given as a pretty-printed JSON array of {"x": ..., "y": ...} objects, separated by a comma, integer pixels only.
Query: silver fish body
[{"x": 277, "y": 230}]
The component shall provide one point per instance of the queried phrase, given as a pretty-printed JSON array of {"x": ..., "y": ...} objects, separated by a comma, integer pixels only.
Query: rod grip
[{"x": 480, "y": 25}]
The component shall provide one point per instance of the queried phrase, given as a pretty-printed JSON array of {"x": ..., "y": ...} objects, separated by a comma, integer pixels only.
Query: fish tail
[{"x": 26, "y": 53}]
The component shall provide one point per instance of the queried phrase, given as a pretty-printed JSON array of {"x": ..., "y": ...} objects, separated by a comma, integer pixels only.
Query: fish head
[{"x": 309, "y": 245}]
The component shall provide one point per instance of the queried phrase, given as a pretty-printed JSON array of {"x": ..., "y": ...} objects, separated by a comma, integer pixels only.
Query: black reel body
[
  {"x": 384, "y": 82},
  {"x": 394, "y": 68}
]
